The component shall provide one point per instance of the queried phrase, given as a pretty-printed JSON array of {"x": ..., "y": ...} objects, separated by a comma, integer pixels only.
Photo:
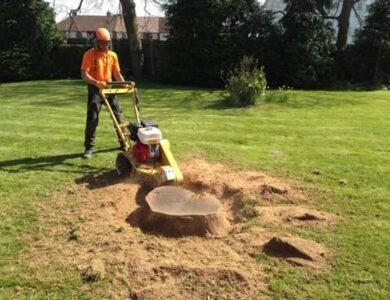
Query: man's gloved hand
[
  {"x": 101, "y": 84},
  {"x": 128, "y": 86}
]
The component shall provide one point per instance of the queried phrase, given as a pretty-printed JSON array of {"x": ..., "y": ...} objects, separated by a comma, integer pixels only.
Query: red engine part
[{"x": 141, "y": 152}]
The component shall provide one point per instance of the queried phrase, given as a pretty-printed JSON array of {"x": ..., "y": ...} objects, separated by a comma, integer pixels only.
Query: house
[
  {"x": 83, "y": 27},
  {"x": 356, "y": 19}
]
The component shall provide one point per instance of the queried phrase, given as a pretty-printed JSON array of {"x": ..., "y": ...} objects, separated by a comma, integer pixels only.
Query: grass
[{"x": 343, "y": 136}]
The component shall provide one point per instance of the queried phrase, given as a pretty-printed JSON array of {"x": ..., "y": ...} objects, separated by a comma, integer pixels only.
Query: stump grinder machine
[{"x": 144, "y": 149}]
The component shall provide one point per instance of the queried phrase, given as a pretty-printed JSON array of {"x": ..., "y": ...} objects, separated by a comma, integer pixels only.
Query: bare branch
[
  {"x": 75, "y": 11},
  {"x": 331, "y": 17},
  {"x": 360, "y": 20},
  {"x": 279, "y": 12},
  {"x": 157, "y": 2}
]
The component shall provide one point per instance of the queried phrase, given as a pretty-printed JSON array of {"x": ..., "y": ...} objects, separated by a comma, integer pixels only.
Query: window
[{"x": 163, "y": 36}]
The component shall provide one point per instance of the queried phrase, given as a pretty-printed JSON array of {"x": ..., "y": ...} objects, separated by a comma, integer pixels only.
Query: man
[{"x": 97, "y": 68}]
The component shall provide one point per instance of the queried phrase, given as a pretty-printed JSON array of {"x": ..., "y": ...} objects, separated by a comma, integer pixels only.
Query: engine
[{"x": 147, "y": 148}]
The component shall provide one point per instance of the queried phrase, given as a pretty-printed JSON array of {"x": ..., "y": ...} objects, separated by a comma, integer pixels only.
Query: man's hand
[
  {"x": 100, "y": 85},
  {"x": 129, "y": 86}
]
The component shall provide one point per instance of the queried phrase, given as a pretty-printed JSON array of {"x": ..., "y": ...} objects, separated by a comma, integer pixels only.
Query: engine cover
[{"x": 149, "y": 135}]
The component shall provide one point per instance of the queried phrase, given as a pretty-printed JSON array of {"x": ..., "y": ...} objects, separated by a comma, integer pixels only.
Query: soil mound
[
  {"x": 296, "y": 251},
  {"x": 223, "y": 182}
]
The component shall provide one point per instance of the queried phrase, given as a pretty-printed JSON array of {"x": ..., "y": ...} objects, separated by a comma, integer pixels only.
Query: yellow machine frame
[{"x": 166, "y": 159}]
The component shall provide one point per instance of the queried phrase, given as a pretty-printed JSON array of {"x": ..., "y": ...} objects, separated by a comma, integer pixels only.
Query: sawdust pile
[{"x": 93, "y": 220}]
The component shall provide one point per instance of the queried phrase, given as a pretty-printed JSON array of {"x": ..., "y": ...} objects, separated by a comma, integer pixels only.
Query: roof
[{"x": 113, "y": 23}]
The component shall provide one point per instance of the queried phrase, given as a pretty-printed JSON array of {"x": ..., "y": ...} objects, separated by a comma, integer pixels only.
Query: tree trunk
[
  {"x": 130, "y": 20},
  {"x": 343, "y": 22},
  {"x": 377, "y": 62}
]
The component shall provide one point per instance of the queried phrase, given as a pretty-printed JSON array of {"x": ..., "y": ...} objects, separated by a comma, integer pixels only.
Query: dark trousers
[{"x": 93, "y": 109}]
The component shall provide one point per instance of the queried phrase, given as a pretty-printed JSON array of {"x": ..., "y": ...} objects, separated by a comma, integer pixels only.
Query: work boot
[{"x": 88, "y": 154}]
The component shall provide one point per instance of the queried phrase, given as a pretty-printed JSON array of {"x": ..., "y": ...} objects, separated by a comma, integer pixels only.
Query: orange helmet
[{"x": 102, "y": 34}]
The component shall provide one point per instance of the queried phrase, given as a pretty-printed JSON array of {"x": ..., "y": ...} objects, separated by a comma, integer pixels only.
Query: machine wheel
[{"x": 123, "y": 166}]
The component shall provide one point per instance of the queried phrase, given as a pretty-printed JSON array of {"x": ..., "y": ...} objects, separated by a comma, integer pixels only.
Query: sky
[{"x": 100, "y": 7}]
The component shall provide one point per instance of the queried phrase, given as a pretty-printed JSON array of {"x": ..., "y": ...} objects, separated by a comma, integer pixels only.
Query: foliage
[
  {"x": 15, "y": 63},
  {"x": 28, "y": 34},
  {"x": 373, "y": 44},
  {"x": 214, "y": 38},
  {"x": 307, "y": 46},
  {"x": 246, "y": 83}
]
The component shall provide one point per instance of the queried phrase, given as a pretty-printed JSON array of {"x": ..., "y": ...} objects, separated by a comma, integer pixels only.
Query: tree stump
[{"x": 174, "y": 211}]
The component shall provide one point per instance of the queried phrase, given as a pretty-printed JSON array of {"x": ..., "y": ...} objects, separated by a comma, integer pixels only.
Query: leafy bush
[
  {"x": 246, "y": 83},
  {"x": 15, "y": 64},
  {"x": 28, "y": 35}
]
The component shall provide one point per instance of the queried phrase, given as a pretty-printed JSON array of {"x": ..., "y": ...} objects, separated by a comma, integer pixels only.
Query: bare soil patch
[
  {"x": 297, "y": 216},
  {"x": 96, "y": 224}
]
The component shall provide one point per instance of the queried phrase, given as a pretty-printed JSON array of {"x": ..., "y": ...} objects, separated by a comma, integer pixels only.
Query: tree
[
  {"x": 307, "y": 45},
  {"x": 373, "y": 42},
  {"x": 343, "y": 24},
  {"x": 130, "y": 20},
  {"x": 342, "y": 16},
  {"x": 209, "y": 36},
  {"x": 28, "y": 35}
]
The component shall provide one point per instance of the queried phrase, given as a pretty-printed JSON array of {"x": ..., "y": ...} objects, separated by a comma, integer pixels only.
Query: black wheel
[{"x": 123, "y": 166}]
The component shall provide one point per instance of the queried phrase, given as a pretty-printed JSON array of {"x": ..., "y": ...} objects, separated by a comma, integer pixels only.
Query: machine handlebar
[{"x": 120, "y": 83}]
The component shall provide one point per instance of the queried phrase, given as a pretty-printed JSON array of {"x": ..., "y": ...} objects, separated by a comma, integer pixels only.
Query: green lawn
[{"x": 344, "y": 135}]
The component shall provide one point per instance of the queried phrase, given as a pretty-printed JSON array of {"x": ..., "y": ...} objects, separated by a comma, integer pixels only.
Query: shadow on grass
[
  {"x": 97, "y": 180},
  {"x": 315, "y": 99},
  {"x": 49, "y": 163}
]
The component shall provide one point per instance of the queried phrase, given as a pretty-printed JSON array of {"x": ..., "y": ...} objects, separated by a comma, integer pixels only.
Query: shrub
[
  {"x": 15, "y": 64},
  {"x": 246, "y": 83}
]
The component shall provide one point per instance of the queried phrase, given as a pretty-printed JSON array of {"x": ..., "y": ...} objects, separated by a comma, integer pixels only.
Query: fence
[{"x": 67, "y": 58}]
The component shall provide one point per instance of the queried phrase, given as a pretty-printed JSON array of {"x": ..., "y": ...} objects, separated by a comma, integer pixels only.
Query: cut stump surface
[
  {"x": 174, "y": 211},
  {"x": 176, "y": 201}
]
